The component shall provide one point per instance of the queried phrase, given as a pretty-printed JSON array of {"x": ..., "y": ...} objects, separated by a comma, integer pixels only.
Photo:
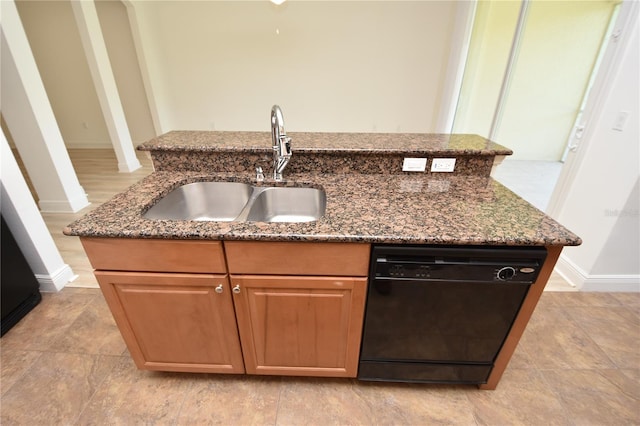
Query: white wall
[
  {"x": 331, "y": 66},
  {"x": 55, "y": 42},
  {"x": 599, "y": 205},
  {"x": 31, "y": 122},
  {"x": 621, "y": 252},
  {"x": 26, "y": 224},
  {"x": 124, "y": 64}
]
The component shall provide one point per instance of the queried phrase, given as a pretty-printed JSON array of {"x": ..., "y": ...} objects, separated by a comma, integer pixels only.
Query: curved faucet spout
[
  {"x": 277, "y": 124},
  {"x": 281, "y": 143}
]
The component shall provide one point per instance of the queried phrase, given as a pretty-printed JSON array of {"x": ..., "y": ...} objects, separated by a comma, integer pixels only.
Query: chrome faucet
[{"x": 281, "y": 143}]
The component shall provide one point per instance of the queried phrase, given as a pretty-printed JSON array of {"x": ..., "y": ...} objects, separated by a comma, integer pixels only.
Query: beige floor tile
[
  {"x": 417, "y": 404},
  {"x": 597, "y": 397},
  {"x": 521, "y": 358},
  {"x": 131, "y": 396},
  {"x": 522, "y": 398},
  {"x": 555, "y": 340},
  {"x": 616, "y": 330},
  {"x": 231, "y": 400},
  {"x": 49, "y": 320},
  {"x": 322, "y": 401},
  {"x": 55, "y": 389},
  {"x": 14, "y": 365},
  {"x": 93, "y": 332}
]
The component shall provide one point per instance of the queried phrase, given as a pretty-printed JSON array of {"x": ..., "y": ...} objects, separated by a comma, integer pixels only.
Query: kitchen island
[{"x": 370, "y": 200}]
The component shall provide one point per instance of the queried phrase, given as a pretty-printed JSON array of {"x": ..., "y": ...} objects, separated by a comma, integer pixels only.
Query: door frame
[{"x": 594, "y": 103}]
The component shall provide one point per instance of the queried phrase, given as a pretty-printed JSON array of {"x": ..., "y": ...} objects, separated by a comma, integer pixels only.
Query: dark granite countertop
[
  {"x": 372, "y": 208},
  {"x": 336, "y": 143}
]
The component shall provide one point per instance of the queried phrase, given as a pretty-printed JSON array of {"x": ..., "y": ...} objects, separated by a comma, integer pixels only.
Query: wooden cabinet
[
  {"x": 295, "y": 308},
  {"x": 175, "y": 322},
  {"x": 162, "y": 294},
  {"x": 306, "y": 326},
  {"x": 307, "y": 322}
]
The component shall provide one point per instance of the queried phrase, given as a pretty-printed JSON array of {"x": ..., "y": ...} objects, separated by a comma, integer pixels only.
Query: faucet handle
[{"x": 259, "y": 174}]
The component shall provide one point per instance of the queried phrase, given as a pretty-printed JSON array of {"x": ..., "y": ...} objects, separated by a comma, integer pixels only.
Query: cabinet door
[
  {"x": 301, "y": 326},
  {"x": 175, "y": 322}
]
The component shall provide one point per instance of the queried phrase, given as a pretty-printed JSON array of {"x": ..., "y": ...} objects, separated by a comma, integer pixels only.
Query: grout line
[
  {"x": 184, "y": 399},
  {"x": 24, "y": 373},
  {"x": 95, "y": 391},
  {"x": 278, "y": 403}
]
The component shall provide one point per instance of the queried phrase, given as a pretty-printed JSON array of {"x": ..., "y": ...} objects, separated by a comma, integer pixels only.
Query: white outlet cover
[
  {"x": 414, "y": 165},
  {"x": 443, "y": 164}
]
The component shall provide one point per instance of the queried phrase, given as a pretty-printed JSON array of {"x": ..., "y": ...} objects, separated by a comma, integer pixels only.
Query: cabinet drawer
[
  {"x": 121, "y": 254},
  {"x": 297, "y": 258}
]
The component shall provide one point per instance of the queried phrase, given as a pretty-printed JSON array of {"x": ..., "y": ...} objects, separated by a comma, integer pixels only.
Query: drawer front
[
  {"x": 121, "y": 254},
  {"x": 297, "y": 258}
]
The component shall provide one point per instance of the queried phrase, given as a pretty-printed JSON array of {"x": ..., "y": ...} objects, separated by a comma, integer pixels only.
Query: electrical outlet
[
  {"x": 414, "y": 165},
  {"x": 443, "y": 164}
]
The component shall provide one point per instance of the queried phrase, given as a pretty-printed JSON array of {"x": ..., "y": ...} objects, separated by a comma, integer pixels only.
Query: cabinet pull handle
[
  {"x": 236, "y": 289},
  {"x": 219, "y": 289}
]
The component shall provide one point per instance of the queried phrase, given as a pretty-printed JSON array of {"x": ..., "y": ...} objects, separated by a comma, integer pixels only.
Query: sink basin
[
  {"x": 234, "y": 201},
  {"x": 219, "y": 201},
  {"x": 287, "y": 204}
]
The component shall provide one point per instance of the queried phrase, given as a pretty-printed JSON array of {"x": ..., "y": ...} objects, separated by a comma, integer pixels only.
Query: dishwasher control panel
[{"x": 460, "y": 264}]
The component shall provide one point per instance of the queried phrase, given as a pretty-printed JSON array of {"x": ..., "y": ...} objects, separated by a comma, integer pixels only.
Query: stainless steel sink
[
  {"x": 219, "y": 201},
  {"x": 287, "y": 204},
  {"x": 233, "y": 201}
]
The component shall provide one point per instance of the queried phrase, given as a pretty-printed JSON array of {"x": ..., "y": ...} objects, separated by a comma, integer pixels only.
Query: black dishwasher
[{"x": 440, "y": 314}]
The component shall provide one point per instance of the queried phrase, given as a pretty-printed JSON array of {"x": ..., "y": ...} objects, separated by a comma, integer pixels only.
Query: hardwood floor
[{"x": 97, "y": 171}]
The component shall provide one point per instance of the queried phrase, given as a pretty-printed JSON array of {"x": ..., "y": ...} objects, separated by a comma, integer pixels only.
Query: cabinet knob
[
  {"x": 219, "y": 289},
  {"x": 236, "y": 289}
]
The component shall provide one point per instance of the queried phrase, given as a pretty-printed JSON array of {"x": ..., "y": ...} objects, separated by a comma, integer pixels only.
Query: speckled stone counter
[
  {"x": 421, "y": 209},
  {"x": 239, "y": 152}
]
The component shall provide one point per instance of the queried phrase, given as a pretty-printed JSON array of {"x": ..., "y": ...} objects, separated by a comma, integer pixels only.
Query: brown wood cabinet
[
  {"x": 295, "y": 308},
  {"x": 305, "y": 326},
  {"x": 175, "y": 322}
]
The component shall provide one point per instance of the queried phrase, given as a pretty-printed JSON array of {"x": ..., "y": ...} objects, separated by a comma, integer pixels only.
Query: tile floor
[
  {"x": 578, "y": 363},
  {"x": 532, "y": 180}
]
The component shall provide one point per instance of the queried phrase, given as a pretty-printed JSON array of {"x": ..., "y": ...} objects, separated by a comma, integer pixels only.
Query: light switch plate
[
  {"x": 621, "y": 121},
  {"x": 443, "y": 164},
  {"x": 414, "y": 165}
]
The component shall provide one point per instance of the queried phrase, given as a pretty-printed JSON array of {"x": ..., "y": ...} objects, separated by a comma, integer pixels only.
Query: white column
[
  {"x": 31, "y": 233},
  {"x": 29, "y": 117},
  {"x": 105, "y": 83}
]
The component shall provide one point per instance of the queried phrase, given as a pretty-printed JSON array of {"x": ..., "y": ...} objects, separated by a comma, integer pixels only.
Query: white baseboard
[
  {"x": 577, "y": 277},
  {"x": 95, "y": 144},
  {"x": 129, "y": 166},
  {"x": 65, "y": 206},
  {"x": 618, "y": 283},
  {"x": 56, "y": 281}
]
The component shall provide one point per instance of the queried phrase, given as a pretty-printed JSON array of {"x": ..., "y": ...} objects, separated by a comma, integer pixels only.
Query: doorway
[{"x": 528, "y": 74}]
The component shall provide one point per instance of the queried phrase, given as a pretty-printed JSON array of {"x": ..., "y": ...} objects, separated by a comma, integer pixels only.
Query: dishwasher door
[{"x": 421, "y": 327}]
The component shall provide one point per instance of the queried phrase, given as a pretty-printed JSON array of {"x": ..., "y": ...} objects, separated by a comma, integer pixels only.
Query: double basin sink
[{"x": 239, "y": 202}]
